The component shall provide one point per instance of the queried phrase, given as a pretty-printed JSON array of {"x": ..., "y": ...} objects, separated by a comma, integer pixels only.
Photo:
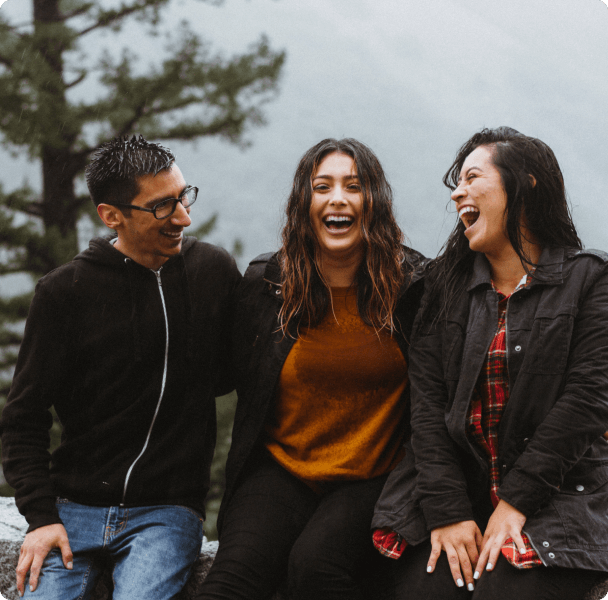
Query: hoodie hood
[{"x": 101, "y": 251}]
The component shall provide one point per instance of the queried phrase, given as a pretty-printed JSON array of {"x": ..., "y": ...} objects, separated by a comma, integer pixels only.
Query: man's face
[{"x": 142, "y": 237}]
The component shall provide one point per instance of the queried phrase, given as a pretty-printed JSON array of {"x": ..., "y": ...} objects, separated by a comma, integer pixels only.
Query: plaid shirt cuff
[
  {"x": 528, "y": 560},
  {"x": 389, "y": 542}
]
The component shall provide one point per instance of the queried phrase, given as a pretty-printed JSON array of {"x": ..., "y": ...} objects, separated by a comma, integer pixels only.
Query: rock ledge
[{"x": 12, "y": 531}]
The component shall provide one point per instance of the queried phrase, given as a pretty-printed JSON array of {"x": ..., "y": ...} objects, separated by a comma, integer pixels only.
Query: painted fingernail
[
  {"x": 470, "y": 587},
  {"x": 476, "y": 575},
  {"x": 31, "y": 588},
  {"x": 429, "y": 569},
  {"x": 489, "y": 567},
  {"x": 20, "y": 593},
  {"x": 459, "y": 582},
  {"x": 522, "y": 550},
  {"x": 70, "y": 565}
]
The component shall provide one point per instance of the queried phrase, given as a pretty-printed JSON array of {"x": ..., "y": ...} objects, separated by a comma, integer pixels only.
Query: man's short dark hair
[{"x": 116, "y": 165}]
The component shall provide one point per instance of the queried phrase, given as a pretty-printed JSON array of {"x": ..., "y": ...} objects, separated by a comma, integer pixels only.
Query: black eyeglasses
[{"x": 167, "y": 207}]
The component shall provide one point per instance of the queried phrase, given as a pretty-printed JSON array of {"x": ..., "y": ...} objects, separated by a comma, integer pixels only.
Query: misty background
[{"x": 413, "y": 80}]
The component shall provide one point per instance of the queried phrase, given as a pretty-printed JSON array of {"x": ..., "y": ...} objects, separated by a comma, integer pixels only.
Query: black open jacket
[
  {"x": 552, "y": 456},
  {"x": 136, "y": 406},
  {"x": 260, "y": 350}
]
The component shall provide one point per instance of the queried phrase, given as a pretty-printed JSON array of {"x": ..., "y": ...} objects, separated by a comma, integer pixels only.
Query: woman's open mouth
[
  {"x": 468, "y": 215},
  {"x": 338, "y": 223}
]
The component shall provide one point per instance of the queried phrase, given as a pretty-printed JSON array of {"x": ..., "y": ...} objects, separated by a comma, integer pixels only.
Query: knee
[{"x": 311, "y": 572}]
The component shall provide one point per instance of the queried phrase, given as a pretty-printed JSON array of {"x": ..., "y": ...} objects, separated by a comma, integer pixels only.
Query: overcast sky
[{"x": 411, "y": 79}]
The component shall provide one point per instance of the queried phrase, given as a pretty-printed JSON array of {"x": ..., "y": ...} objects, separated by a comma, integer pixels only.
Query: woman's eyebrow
[{"x": 322, "y": 176}]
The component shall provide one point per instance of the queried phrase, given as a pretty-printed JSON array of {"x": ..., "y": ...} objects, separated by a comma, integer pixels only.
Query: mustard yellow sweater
[{"x": 338, "y": 410}]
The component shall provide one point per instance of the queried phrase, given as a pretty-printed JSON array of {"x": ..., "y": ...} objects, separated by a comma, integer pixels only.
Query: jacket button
[
  {"x": 580, "y": 488},
  {"x": 518, "y": 348},
  {"x": 546, "y": 544},
  {"x": 551, "y": 555}
]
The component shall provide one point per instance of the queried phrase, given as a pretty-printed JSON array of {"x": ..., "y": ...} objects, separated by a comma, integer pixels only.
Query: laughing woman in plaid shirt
[{"x": 504, "y": 488}]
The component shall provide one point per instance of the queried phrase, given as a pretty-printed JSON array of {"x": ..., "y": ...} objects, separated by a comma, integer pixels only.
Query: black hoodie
[{"x": 136, "y": 406}]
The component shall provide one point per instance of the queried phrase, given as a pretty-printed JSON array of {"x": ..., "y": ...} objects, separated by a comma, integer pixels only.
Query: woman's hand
[
  {"x": 505, "y": 522},
  {"x": 461, "y": 542}
]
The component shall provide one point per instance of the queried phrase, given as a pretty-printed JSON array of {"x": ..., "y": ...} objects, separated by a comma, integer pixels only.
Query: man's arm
[
  {"x": 226, "y": 379},
  {"x": 25, "y": 424}
]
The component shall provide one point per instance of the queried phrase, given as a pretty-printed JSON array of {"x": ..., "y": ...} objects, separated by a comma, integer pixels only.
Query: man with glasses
[{"x": 129, "y": 344}]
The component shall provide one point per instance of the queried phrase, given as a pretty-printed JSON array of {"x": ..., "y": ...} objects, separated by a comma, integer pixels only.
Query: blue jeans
[{"x": 152, "y": 550}]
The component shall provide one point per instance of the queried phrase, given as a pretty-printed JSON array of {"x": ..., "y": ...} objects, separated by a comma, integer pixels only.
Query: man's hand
[
  {"x": 36, "y": 545},
  {"x": 506, "y": 522},
  {"x": 461, "y": 542}
]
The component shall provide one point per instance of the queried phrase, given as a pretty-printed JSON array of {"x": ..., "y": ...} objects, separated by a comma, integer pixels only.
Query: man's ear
[{"x": 111, "y": 216}]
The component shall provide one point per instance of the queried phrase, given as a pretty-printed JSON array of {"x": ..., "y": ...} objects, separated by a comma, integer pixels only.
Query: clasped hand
[{"x": 468, "y": 552}]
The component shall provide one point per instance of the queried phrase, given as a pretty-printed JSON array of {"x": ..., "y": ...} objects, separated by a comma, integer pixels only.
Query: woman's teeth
[
  {"x": 337, "y": 221},
  {"x": 468, "y": 215}
]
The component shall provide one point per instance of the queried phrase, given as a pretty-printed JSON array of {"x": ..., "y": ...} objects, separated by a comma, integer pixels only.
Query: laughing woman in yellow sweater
[{"x": 320, "y": 346}]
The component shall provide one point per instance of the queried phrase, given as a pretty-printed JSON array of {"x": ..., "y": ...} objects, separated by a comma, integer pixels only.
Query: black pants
[
  {"x": 504, "y": 582},
  {"x": 276, "y": 526}
]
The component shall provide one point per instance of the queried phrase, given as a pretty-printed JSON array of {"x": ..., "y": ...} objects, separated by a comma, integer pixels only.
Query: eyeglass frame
[{"x": 175, "y": 201}]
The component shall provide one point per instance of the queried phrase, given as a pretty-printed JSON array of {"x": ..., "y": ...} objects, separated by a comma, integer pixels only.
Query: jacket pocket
[
  {"x": 581, "y": 505},
  {"x": 549, "y": 345}
]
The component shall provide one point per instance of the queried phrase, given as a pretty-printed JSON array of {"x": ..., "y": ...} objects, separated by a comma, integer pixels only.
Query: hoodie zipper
[{"x": 162, "y": 386}]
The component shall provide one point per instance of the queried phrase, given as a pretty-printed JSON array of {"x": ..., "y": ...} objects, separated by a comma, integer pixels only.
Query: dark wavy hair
[
  {"x": 306, "y": 295},
  {"x": 116, "y": 165},
  {"x": 540, "y": 202}
]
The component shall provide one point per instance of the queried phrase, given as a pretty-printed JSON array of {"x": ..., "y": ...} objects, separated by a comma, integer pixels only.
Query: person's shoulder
[
  {"x": 584, "y": 263},
  {"x": 59, "y": 280},
  {"x": 193, "y": 249},
  {"x": 258, "y": 266},
  {"x": 588, "y": 253},
  {"x": 416, "y": 264}
]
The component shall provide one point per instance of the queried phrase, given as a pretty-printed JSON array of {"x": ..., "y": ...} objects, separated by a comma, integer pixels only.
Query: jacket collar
[
  {"x": 548, "y": 272},
  {"x": 416, "y": 263},
  {"x": 272, "y": 272}
]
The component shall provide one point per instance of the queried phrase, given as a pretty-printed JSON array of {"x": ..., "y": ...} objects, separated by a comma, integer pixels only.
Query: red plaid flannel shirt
[
  {"x": 487, "y": 405},
  {"x": 485, "y": 411}
]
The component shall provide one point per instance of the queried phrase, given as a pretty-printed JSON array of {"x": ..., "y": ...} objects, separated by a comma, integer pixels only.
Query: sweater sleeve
[{"x": 26, "y": 418}]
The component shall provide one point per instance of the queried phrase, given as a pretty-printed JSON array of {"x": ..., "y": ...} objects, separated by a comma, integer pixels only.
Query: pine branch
[
  {"x": 15, "y": 308},
  {"x": 206, "y": 228},
  {"x": 107, "y": 18},
  {"x": 129, "y": 126},
  {"x": 76, "y": 81},
  {"x": 9, "y": 338},
  {"x": 77, "y": 12},
  {"x": 8, "y": 270},
  {"x": 219, "y": 89},
  {"x": 9, "y": 360}
]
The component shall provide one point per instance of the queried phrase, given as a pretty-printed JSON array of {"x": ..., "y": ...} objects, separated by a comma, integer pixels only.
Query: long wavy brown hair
[{"x": 306, "y": 295}]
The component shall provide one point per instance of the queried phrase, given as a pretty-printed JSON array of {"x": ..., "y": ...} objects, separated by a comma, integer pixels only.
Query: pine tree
[{"x": 191, "y": 93}]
